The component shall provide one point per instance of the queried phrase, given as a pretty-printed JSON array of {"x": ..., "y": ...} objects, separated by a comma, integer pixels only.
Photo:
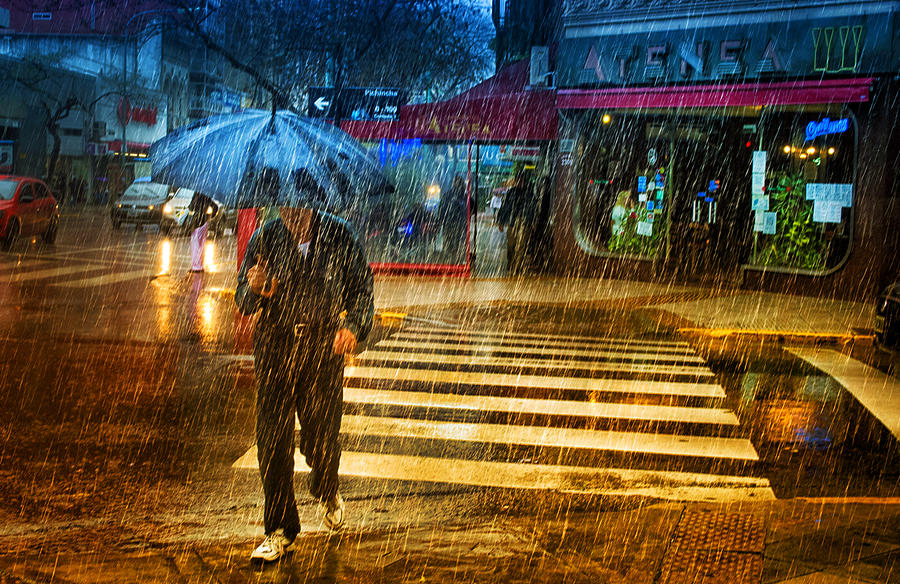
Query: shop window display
[
  {"x": 620, "y": 190},
  {"x": 802, "y": 193}
]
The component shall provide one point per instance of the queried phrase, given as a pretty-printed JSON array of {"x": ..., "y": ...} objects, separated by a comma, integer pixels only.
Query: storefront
[
  {"x": 750, "y": 148},
  {"x": 140, "y": 123},
  {"x": 448, "y": 162}
]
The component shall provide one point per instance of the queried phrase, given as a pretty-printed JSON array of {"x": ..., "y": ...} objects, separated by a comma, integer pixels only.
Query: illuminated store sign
[{"x": 826, "y": 126}]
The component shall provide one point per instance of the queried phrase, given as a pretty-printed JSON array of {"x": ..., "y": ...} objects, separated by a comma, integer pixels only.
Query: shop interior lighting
[
  {"x": 803, "y": 155},
  {"x": 811, "y": 150}
]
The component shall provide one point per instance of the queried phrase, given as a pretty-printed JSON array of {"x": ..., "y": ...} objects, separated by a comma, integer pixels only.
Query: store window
[
  {"x": 621, "y": 187},
  {"x": 802, "y": 189},
  {"x": 425, "y": 220}
]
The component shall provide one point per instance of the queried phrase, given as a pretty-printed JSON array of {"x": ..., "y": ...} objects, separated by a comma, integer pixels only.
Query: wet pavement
[{"x": 127, "y": 406}]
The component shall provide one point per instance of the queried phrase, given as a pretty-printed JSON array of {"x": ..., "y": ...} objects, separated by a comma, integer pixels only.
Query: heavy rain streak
[{"x": 449, "y": 291}]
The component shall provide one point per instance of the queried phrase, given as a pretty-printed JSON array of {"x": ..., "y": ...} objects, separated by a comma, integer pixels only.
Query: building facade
[
  {"x": 149, "y": 77},
  {"x": 749, "y": 142}
]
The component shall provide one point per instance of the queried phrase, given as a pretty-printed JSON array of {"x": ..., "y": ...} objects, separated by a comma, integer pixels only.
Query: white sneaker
[
  {"x": 272, "y": 548},
  {"x": 333, "y": 512}
]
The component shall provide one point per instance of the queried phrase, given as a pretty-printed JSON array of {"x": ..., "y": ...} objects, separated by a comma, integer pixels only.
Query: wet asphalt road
[{"x": 125, "y": 404}]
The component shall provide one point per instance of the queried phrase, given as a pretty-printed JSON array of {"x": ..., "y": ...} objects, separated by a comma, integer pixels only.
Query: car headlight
[
  {"x": 119, "y": 205},
  {"x": 167, "y": 208},
  {"x": 209, "y": 210}
]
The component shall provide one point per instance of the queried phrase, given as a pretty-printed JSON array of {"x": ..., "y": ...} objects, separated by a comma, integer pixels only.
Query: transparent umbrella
[{"x": 223, "y": 155}]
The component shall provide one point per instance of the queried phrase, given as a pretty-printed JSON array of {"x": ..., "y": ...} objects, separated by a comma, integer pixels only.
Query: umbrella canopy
[{"x": 318, "y": 165}]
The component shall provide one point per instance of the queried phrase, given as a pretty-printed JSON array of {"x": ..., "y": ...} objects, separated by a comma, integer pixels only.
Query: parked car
[
  {"x": 27, "y": 208},
  {"x": 142, "y": 204},
  {"x": 178, "y": 210},
  {"x": 887, "y": 318}
]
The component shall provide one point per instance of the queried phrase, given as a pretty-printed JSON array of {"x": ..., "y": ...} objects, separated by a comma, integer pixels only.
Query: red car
[{"x": 27, "y": 208}]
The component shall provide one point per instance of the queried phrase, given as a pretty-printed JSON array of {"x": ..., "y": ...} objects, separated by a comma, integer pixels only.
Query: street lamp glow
[
  {"x": 606, "y": 118},
  {"x": 787, "y": 149}
]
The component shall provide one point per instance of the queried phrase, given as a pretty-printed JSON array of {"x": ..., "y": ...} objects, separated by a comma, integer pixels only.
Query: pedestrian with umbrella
[
  {"x": 202, "y": 209},
  {"x": 306, "y": 275}
]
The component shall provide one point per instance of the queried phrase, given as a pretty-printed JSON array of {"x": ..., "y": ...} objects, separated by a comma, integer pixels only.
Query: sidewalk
[
  {"x": 713, "y": 313},
  {"x": 528, "y": 539}
]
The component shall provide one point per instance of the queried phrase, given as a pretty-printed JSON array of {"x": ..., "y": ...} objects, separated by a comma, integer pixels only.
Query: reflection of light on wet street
[
  {"x": 209, "y": 257},
  {"x": 164, "y": 312},
  {"x": 165, "y": 257},
  {"x": 207, "y": 310}
]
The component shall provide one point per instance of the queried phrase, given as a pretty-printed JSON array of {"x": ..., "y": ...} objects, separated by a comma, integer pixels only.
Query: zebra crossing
[
  {"x": 89, "y": 268},
  {"x": 524, "y": 410}
]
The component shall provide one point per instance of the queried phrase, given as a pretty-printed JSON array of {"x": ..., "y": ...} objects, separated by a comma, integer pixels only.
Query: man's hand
[
  {"x": 257, "y": 277},
  {"x": 344, "y": 342}
]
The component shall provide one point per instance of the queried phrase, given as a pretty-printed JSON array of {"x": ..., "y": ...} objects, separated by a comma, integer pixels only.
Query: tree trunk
[{"x": 54, "y": 154}]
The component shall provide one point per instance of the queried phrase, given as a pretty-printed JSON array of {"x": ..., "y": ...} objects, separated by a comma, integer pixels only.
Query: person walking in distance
[
  {"x": 517, "y": 216},
  {"x": 306, "y": 274},
  {"x": 202, "y": 209}
]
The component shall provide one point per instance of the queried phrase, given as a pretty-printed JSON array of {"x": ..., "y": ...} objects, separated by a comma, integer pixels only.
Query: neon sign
[{"x": 826, "y": 126}]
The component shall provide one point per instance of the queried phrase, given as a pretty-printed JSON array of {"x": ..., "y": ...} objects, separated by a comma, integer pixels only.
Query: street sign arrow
[{"x": 322, "y": 104}]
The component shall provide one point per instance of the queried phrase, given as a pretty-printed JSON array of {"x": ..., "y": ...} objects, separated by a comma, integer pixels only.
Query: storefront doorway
[{"x": 708, "y": 174}]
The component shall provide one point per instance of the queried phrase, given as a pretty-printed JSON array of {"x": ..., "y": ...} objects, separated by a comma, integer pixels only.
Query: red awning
[
  {"x": 498, "y": 109},
  {"x": 115, "y": 146},
  {"x": 737, "y": 95}
]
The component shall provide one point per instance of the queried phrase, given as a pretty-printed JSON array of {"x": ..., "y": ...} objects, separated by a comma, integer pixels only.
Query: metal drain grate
[
  {"x": 712, "y": 567},
  {"x": 708, "y": 548}
]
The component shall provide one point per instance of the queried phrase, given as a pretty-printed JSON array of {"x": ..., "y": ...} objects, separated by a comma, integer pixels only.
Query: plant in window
[{"x": 798, "y": 242}]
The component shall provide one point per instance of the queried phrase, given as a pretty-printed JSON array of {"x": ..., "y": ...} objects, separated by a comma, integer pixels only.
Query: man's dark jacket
[{"x": 334, "y": 278}]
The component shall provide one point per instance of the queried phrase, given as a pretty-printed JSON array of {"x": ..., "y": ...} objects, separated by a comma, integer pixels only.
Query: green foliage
[
  {"x": 628, "y": 241},
  {"x": 798, "y": 241}
]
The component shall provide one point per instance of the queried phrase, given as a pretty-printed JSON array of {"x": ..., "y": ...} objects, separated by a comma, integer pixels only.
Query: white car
[
  {"x": 177, "y": 212},
  {"x": 142, "y": 204}
]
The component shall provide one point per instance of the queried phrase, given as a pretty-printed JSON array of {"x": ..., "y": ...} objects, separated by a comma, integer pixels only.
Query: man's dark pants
[{"x": 302, "y": 375}]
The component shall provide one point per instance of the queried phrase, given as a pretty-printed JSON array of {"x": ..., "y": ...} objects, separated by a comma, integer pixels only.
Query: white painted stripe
[
  {"x": 49, "y": 273},
  {"x": 549, "y": 352},
  {"x": 426, "y": 358},
  {"x": 877, "y": 392},
  {"x": 625, "y": 386},
  {"x": 540, "y": 336},
  {"x": 670, "y": 485},
  {"x": 18, "y": 266},
  {"x": 108, "y": 279},
  {"x": 544, "y": 343},
  {"x": 632, "y": 442},
  {"x": 479, "y": 403}
]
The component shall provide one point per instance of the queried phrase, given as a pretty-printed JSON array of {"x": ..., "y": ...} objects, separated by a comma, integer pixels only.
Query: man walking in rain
[{"x": 307, "y": 275}]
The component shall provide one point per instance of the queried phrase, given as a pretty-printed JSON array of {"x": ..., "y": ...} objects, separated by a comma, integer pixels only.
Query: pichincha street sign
[{"x": 356, "y": 103}]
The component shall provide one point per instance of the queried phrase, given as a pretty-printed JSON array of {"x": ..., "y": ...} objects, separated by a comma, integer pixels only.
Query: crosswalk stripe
[
  {"x": 24, "y": 265},
  {"x": 594, "y": 366},
  {"x": 547, "y": 344},
  {"x": 49, "y": 273},
  {"x": 624, "y": 386},
  {"x": 621, "y": 411},
  {"x": 492, "y": 349},
  {"x": 608, "y": 440},
  {"x": 540, "y": 336},
  {"x": 107, "y": 279},
  {"x": 675, "y": 485}
]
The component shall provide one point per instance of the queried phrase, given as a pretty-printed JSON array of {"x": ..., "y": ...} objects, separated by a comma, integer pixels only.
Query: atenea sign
[{"x": 825, "y": 127}]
